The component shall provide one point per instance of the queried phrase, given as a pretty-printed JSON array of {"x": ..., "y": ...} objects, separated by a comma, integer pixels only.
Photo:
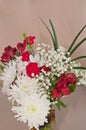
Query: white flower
[
  {"x": 8, "y": 76},
  {"x": 33, "y": 109},
  {"x": 37, "y": 59},
  {"x": 27, "y": 84},
  {"x": 21, "y": 66}
]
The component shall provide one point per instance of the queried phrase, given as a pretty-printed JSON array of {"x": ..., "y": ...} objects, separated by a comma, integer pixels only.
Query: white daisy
[
  {"x": 8, "y": 76},
  {"x": 33, "y": 109}
]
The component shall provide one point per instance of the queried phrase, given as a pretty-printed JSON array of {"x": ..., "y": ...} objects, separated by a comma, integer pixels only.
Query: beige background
[{"x": 18, "y": 16}]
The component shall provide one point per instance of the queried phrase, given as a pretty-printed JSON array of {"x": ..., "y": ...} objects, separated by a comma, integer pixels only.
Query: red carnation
[
  {"x": 69, "y": 77},
  {"x": 30, "y": 39},
  {"x": 10, "y": 51},
  {"x": 5, "y": 58},
  {"x": 21, "y": 47},
  {"x": 61, "y": 88},
  {"x": 25, "y": 56},
  {"x": 47, "y": 69},
  {"x": 56, "y": 94},
  {"x": 32, "y": 69}
]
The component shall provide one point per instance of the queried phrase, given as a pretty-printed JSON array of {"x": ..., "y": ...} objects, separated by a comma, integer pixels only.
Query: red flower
[
  {"x": 56, "y": 94},
  {"x": 5, "y": 57},
  {"x": 47, "y": 69},
  {"x": 21, "y": 47},
  {"x": 69, "y": 77},
  {"x": 9, "y": 53},
  {"x": 61, "y": 88},
  {"x": 32, "y": 69},
  {"x": 30, "y": 39},
  {"x": 25, "y": 56}
]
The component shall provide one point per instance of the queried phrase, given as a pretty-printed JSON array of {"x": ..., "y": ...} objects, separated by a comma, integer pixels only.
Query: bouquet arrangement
[{"x": 34, "y": 82}]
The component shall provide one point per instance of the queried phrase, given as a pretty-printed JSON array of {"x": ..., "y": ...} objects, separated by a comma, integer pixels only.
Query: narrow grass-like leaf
[
  {"x": 82, "y": 68},
  {"x": 72, "y": 44},
  {"x": 77, "y": 58},
  {"x": 55, "y": 36},
  {"x": 48, "y": 30},
  {"x": 82, "y": 41}
]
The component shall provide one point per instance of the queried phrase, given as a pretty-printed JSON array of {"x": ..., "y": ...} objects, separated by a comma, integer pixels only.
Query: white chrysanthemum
[
  {"x": 21, "y": 66},
  {"x": 33, "y": 109},
  {"x": 27, "y": 84},
  {"x": 8, "y": 76},
  {"x": 37, "y": 59}
]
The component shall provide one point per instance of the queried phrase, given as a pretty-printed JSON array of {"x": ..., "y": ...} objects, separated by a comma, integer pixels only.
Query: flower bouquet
[{"x": 35, "y": 82}]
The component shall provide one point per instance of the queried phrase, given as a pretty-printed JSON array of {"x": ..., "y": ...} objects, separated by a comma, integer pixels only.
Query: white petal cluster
[
  {"x": 33, "y": 109},
  {"x": 8, "y": 76}
]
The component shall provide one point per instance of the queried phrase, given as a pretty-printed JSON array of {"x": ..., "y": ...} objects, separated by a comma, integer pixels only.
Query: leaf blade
[
  {"x": 55, "y": 36},
  {"x": 80, "y": 43},
  {"x": 72, "y": 44}
]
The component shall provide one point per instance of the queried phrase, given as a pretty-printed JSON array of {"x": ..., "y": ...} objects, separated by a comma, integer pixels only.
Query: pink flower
[
  {"x": 25, "y": 56},
  {"x": 32, "y": 69}
]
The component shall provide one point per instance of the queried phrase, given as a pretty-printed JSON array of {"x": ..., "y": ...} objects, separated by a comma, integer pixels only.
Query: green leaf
[
  {"x": 82, "y": 68},
  {"x": 47, "y": 29},
  {"x": 80, "y": 43},
  {"x": 54, "y": 80},
  {"x": 24, "y": 35},
  {"x": 72, "y": 44},
  {"x": 55, "y": 36},
  {"x": 60, "y": 104},
  {"x": 1, "y": 67},
  {"x": 77, "y": 58},
  {"x": 72, "y": 87}
]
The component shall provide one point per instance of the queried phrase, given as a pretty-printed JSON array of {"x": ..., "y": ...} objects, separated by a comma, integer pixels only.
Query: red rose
[
  {"x": 47, "y": 69},
  {"x": 21, "y": 47},
  {"x": 32, "y": 69},
  {"x": 25, "y": 56}
]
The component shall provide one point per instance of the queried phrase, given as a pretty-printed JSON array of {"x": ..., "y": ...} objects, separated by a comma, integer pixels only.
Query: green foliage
[
  {"x": 24, "y": 35},
  {"x": 53, "y": 34},
  {"x": 60, "y": 104},
  {"x": 77, "y": 58},
  {"x": 83, "y": 68},
  {"x": 76, "y": 47},
  {"x": 72, "y": 44},
  {"x": 72, "y": 87},
  {"x": 1, "y": 67}
]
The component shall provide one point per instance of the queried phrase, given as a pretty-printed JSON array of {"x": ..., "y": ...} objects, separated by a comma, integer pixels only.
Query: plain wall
[{"x": 68, "y": 16}]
